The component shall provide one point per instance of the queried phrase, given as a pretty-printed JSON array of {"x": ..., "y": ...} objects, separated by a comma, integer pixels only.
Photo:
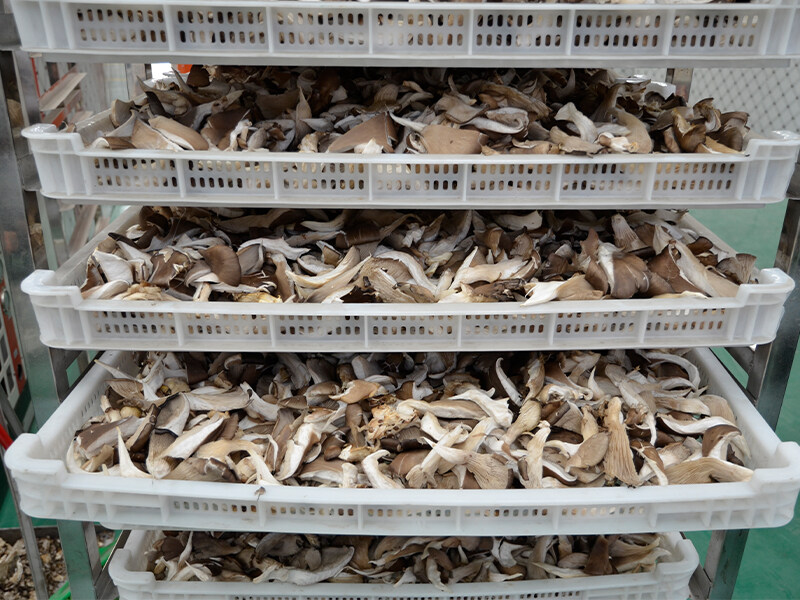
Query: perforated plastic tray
[
  {"x": 668, "y": 581},
  {"x": 70, "y": 171},
  {"x": 382, "y": 33},
  {"x": 67, "y": 320},
  {"x": 47, "y": 490}
]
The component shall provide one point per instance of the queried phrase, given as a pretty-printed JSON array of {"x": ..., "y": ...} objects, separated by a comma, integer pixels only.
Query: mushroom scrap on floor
[
  {"x": 428, "y": 420},
  {"x": 286, "y": 255},
  {"x": 441, "y": 561},
  {"x": 417, "y": 111}
]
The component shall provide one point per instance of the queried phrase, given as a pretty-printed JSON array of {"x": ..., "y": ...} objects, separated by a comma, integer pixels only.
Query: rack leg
[
  {"x": 29, "y": 537},
  {"x": 682, "y": 80},
  {"x": 79, "y": 545},
  {"x": 723, "y": 560},
  {"x": 772, "y": 362},
  {"x": 22, "y": 255}
]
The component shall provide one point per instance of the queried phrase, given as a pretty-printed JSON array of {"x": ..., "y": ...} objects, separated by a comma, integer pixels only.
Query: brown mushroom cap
[
  {"x": 440, "y": 139},
  {"x": 224, "y": 263},
  {"x": 379, "y": 128}
]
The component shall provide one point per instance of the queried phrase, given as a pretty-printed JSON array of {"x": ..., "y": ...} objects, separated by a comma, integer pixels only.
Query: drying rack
[{"x": 767, "y": 366}]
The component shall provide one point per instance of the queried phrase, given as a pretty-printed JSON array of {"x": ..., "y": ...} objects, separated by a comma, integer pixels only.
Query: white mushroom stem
[
  {"x": 497, "y": 409},
  {"x": 690, "y": 368},
  {"x": 529, "y": 416},
  {"x": 126, "y": 466},
  {"x": 423, "y": 473},
  {"x": 693, "y": 426},
  {"x": 334, "y": 560},
  {"x": 508, "y": 385},
  {"x": 263, "y": 473},
  {"x": 534, "y": 461},
  {"x": 373, "y": 471},
  {"x": 430, "y": 424},
  {"x": 489, "y": 469}
]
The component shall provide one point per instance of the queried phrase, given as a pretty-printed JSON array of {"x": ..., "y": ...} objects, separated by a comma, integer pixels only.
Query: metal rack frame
[{"x": 767, "y": 366}]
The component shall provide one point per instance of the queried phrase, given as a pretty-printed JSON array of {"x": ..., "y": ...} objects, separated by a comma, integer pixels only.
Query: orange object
[{"x": 184, "y": 69}]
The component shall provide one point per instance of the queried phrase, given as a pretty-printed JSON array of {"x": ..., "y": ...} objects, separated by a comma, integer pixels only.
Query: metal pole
[
  {"x": 682, "y": 80},
  {"x": 22, "y": 252},
  {"x": 79, "y": 544},
  {"x": 723, "y": 560},
  {"x": 28, "y": 536},
  {"x": 773, "y": 362}
]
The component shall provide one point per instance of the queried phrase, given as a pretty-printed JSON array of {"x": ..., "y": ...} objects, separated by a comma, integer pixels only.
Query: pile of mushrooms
[
  {"x": 423, "y": 111},
  {"x": 441, "y": 561},
  {"x": 286, "y": 255},
  {"x": 430, "y": 420}
]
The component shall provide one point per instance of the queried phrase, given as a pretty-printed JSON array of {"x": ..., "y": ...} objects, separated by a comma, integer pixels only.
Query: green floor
[{"x": 771, "y": 565}]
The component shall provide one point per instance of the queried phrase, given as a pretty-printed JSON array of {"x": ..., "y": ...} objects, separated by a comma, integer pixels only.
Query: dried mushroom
[
  {"x": 428, "y": 111},
  {"x": 393, "y": 421},
  {"x": 366, "y": 256},
  {"x": 395, "y": 560}
]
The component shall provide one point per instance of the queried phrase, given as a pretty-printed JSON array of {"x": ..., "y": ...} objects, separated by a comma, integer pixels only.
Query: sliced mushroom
[
  {"x": 224, "y": 263},
  {"x": 183, "y": 136},
  {"x": 618, "y": 461},
  {"x": 145, "y": 137},
  {"x": 706, "y": 470},
  {"x": 440, "y": 139},
  {"x": 379, "y": 128}
]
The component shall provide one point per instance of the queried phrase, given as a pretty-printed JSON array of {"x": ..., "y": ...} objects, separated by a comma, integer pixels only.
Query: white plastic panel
[
  {"x": 455, "y": 34},
  {"x": 70, "y": 171}
]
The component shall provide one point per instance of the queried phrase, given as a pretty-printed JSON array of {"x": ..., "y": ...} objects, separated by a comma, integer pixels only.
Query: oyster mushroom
[
  {"x": 379, "y": 129},
  {"x": 626, "y": 273},
  {"x": 224, "y": 263},
  {"x": 441, "y": 139},
  {"x": 145, "y": 137},
  {"x": 528, "y": 418},
  {"x": 358, "y": 390},
  {"x": 490, "y": 470},
  {"x": 376, "y": 477},
  {"x": 618, "y": 461},
  {"x": 183, "y": 136},
  {"x": 638, "y": 137},
  {"x": 333, "y": 561},
  {"x": 120, "y": 112},
  {"x": 590, "y": 453},
  {"x": 188, "y": 442},
  {"x": 323, "y": 471},
  {"x": 583, "y": 125},
  {"x": 739, "y": 268},
  {"x": 706, "y": 470},
  {"x": 92, "y": 439},
  {"x": 126, "y": 466}
]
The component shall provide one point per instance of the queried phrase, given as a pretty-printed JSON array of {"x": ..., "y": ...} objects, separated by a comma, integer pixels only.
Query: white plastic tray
[
  {"x": 67, "y": 320},
  {"x": 409, "y": 34},
  {"x": 70, "y": 171},
  {"x": 47, "y": 490},
  {"x": 668, "y": 581}
]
